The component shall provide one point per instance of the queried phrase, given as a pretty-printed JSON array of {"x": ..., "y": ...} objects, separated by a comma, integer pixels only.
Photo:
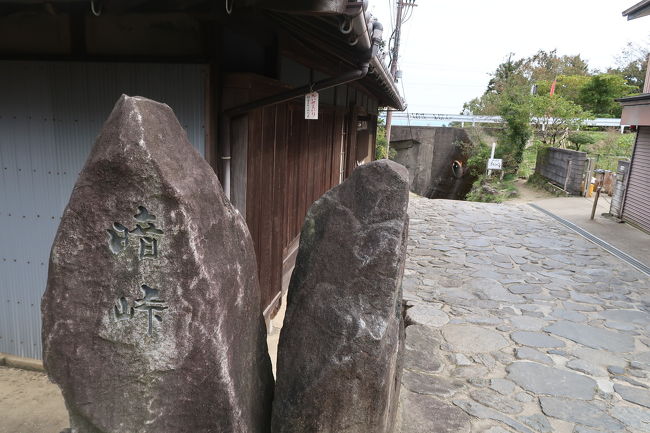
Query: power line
[
  {"x": 408, "y": 117},
  {"x": 394, "y": 54}
]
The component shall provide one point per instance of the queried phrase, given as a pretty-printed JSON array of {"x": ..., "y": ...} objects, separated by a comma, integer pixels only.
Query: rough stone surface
[
  {"x": 423, "y": 361},
  {"x": 527, "y": 353},
  {"x": 430, "y": 415},
  {"x": 480, "y": 411},
  {"x": 627, "y": 316},
  {"x": 526, "y": 323},
  {"x": 580, "y": 412},
  {"x": 494, "y": 400},
  {"x": 509, "y": 268},
  {"x": 538, "y": 422},
  {"x": 523, "y": 397},
  {"x": 340, "y": 350},
  {"x": 639, "y": 396},
  {"x": 473, "y": 339},
  {"x": 573, "y": 316},
  {"x": 496, "y": 429},
  {"x": 590, "y": 336},
  {"x": 536, "y": 339},
  {"x": 614, "y": 369},
  {"x": 552, "y": 381},
  {"x": 431, "y": 384},
  {"x": 151, "y": 317},
  {"x": 635, "y": 417},
  {"x": 586, "y": 367},
  {"x": 502, "y": 386},
  {"x": 426, "y": 315}
]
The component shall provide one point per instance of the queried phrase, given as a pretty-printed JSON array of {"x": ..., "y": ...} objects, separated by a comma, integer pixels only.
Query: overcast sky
[{"x": 449, "y": 48}]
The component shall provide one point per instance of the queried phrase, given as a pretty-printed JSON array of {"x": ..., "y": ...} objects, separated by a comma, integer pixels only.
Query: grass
[
  {"x": 609, "y": 148},
  {"x": 493, "y": 190}
]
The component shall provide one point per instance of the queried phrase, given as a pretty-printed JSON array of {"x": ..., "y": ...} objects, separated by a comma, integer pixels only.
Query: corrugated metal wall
[
  {"x": 50, "y": 114},
  {"x": 636, "y": 208}
]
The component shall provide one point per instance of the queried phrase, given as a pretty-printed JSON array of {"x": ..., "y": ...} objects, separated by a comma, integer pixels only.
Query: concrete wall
[
  {"x": 557, "y": 164},
  {"x": 429, "y": 154}
]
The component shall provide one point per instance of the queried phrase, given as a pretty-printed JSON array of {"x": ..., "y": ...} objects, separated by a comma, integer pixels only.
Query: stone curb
[{"x": 22, "y": 363}]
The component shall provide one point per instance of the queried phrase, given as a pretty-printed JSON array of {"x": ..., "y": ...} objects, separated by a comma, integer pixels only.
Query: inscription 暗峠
[
  {"x": 145, "y": 230},
  {"x": 150, "y": 303}
]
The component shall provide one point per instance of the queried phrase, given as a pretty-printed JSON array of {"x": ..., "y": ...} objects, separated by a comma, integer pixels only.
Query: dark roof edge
[
  {"x": 382, "y": 72},
  {"x": 635, "y": 98},
  {"x": 635, "y": 9},
  {"x": 365, "y": 34}
]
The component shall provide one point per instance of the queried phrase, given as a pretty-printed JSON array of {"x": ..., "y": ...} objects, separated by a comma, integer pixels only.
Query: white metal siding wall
[
  {"x": 636, "y": 208},
  {"x": 50, "y": 114}
]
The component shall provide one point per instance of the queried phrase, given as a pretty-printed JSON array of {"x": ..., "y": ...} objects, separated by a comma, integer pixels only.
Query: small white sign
[
  {"x": 495, "y": 164},
  {"x": 311, "y": 105}
]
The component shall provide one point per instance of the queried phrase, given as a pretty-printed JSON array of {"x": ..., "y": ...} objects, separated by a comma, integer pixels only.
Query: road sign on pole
[{"x": 495, "y": 164}]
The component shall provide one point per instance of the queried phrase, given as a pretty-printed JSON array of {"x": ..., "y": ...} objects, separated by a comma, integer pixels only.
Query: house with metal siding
[
  {"x": 235, "y": 73},
  {"x": 635, "y": 207},
  {"x": 636, "y": 201}
]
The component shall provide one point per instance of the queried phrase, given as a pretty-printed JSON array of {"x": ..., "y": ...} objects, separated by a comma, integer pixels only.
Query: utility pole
[
  {"x": 646, "y": 84},
  {"x": 401, "y": 5}
]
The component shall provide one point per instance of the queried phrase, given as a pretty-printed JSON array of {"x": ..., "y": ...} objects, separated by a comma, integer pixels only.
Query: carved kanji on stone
[
  {"x": 150, "y": 304},
  {"x": 145, "y": 230},
  {"x": 155, "y": 326}
]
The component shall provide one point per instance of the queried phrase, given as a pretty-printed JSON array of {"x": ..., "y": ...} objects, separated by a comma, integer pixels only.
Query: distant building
[{"x": 234, "y": 71}]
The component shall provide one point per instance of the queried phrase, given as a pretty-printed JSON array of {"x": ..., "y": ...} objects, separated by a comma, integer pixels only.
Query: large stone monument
[
  {"x": 151, "y": 317},
  {"x": 339, "y": 358}
]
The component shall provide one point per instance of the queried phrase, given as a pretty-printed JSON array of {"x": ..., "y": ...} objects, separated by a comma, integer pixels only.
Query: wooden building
[{"x": 234, "y": 71}]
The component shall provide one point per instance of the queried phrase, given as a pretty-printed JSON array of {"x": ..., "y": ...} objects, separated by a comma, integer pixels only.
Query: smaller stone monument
[
  {"x": 151, "y": 317},
  {"x": 341, "y": 345}
]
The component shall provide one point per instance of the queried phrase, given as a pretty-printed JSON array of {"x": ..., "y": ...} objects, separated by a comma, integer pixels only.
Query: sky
[{"x": 449, "y": 48}]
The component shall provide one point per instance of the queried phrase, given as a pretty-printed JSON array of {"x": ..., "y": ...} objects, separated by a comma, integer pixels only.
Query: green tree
[
  {"x": 579, "y": 139},
  {"x": 567, "y": 86},
  {"x": 632, "y": 65},
  {"x": 600, "y": 93},
  {"x": 554, "y": 117},
  {"x": 381, "y": 144},
  {"x": 507, "y": 75},
  {"x": 546, "y": 66},
  {"x": 515, "y": 111},
  {"x": 487, "y": 105}
]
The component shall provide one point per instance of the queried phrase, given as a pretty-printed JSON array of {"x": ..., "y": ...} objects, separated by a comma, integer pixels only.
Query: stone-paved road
[{"x": 519, "y": 325}]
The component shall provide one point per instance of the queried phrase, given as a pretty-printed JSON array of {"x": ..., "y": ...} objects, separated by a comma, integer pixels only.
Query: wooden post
[{"x": 568, "y": 173}]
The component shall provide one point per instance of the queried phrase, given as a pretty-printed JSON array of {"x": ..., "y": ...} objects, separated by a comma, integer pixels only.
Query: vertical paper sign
[{"x": 311, "y": 105}]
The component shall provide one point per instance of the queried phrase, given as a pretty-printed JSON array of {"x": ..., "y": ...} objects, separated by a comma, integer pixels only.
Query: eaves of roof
[
  {"x": 349, "y": 29},
  {"x": 644, "y": 97},
  {"x": 639, "y": 10}
]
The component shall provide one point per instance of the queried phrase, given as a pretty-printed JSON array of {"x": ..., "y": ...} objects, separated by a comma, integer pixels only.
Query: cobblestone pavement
[{"x": 516, "y": 324}]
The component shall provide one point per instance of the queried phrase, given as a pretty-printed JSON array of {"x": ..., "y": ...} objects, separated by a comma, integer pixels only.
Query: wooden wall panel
[{"x": 290, "y": 163}]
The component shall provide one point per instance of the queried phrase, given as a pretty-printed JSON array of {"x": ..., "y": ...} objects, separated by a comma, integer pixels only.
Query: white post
[{"x": 494, "y": 145}]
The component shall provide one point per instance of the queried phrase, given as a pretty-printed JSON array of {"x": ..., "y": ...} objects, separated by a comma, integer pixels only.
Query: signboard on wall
[{"x": 311, "y": 106}]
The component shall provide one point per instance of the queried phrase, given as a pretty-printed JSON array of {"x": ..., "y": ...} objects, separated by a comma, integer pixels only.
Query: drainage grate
[{"x": 610, "y": 248}]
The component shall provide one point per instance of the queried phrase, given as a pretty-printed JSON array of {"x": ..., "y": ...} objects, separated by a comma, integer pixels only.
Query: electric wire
[{"x": 408, "y": 117}]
